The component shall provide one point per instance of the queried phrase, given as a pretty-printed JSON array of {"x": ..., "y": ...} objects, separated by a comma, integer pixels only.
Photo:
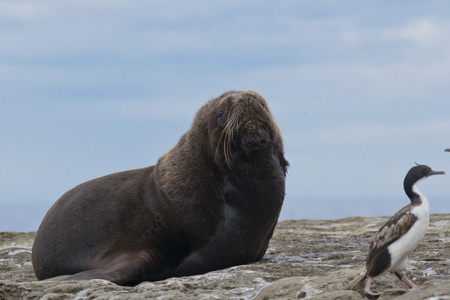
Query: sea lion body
[{"x": 210, "y": 202}]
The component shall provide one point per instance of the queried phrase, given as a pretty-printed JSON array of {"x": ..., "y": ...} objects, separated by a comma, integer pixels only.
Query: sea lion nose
[
  {"x": 255, "y": 135},
  {"x": 245, "y": 101}
]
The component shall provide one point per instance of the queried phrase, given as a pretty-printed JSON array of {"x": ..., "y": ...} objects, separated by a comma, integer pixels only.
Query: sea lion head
[
  {"x": 240, "y": 127},
  {"x": 231, "y": 135}
]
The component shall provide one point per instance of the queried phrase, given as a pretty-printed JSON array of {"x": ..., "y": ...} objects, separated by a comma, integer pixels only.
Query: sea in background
[{"x": 27, "y": 217}]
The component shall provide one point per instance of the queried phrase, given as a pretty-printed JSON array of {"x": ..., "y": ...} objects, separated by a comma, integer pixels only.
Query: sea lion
[{"x": 211, "y": 202}]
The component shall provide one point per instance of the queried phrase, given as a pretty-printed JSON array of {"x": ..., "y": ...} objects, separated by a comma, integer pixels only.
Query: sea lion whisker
[
  {"x": 229, "y": 130},
  {"x": 226, "y": 147},
  {"x": 226, "y": 150},
  {"x": 218, "y": 145}
]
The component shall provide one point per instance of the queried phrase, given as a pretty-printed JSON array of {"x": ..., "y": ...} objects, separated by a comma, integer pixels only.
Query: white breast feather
[{"x": 400, "y": 249}]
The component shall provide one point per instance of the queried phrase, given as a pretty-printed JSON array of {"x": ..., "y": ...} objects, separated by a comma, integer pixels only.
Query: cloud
[
  {"x": 423, "y": 32},
  {"x": 21, "y": 11},
  {"x": 368, "y": 133},
  {"x": 134, "y": 110}
]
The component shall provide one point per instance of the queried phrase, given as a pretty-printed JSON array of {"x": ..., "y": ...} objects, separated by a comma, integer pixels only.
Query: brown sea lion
[{"x": 211, "y": 202}]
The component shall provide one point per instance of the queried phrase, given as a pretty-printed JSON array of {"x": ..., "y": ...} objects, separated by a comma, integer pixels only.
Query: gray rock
[{"x": 306, "y": 259}]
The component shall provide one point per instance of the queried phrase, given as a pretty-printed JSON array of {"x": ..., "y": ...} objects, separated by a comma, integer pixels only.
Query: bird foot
[{"x": 370, "y": 295}]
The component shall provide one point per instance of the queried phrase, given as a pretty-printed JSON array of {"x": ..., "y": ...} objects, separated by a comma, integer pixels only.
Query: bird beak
[{"x": 436, "y": 173}]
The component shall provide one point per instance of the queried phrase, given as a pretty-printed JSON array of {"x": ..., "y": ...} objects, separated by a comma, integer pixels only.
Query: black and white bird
[{"x": 399, "y": 236}]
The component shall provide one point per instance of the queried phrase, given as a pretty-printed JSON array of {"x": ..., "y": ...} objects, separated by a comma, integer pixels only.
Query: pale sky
[{"x": 360, "y": 90}]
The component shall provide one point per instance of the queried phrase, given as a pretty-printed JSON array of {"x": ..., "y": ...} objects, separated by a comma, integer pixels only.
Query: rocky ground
[{"x": 306, "y": 259}]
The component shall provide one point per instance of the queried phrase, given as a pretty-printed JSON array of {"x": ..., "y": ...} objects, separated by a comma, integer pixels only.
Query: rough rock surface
[{"x": 306, "y": 259}]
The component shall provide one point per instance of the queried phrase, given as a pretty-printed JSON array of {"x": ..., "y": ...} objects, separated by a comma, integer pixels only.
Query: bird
[
  {"x": 399, "y": 236},
  {"x": 447, "y": 150}
]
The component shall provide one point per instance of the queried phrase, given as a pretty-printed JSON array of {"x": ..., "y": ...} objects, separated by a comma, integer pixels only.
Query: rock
[
  {"x": 306, "y": 259},
  {"x": 301, "y": 287}
]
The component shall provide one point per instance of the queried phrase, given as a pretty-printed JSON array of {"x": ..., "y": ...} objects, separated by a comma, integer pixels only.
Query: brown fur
[{"x": 211, "y": 202}]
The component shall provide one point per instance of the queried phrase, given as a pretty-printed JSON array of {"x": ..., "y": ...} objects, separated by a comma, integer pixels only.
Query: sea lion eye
[
  {"x": 219, "y": 115},
  {"x": 263, "y": 104}
]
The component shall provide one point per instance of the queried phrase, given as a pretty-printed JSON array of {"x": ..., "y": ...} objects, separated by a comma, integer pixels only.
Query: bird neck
[
  {"x": 416, "y": 197},
  {"x": 411, "y": 189}
]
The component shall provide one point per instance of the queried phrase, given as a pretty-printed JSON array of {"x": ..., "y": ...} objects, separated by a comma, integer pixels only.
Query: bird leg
[
  {"x": 408, "y": 282},
  {"x": 367, "y": 291},
  {"x": 402, "y": 276}
]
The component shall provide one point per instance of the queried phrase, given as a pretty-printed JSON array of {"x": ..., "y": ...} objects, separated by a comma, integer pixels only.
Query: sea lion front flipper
[{"x": 125, "y": 268}]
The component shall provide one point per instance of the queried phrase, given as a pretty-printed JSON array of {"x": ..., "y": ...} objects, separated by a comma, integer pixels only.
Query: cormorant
[{"x": 399, "y": 236}]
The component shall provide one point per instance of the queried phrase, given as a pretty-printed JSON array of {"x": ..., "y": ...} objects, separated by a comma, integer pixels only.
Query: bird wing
[
  {"x": 397, "y": 226},
  {"x": 378, "y": 260}
]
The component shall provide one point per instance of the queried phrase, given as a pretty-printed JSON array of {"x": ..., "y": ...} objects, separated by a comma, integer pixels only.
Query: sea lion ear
[{"x": 283, "y": 162}]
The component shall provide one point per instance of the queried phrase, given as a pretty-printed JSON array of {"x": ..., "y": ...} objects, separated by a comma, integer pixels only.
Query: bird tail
[{"x": 357, "y": 281}]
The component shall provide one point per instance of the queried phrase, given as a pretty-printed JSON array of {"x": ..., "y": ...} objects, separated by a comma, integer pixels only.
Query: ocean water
[
  {"x": 27, "y": 217},
  {"x": 338, "y": 207}
]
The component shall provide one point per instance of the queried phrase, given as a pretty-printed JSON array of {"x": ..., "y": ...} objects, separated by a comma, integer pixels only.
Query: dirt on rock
[{"x": 306, "y": 259}]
